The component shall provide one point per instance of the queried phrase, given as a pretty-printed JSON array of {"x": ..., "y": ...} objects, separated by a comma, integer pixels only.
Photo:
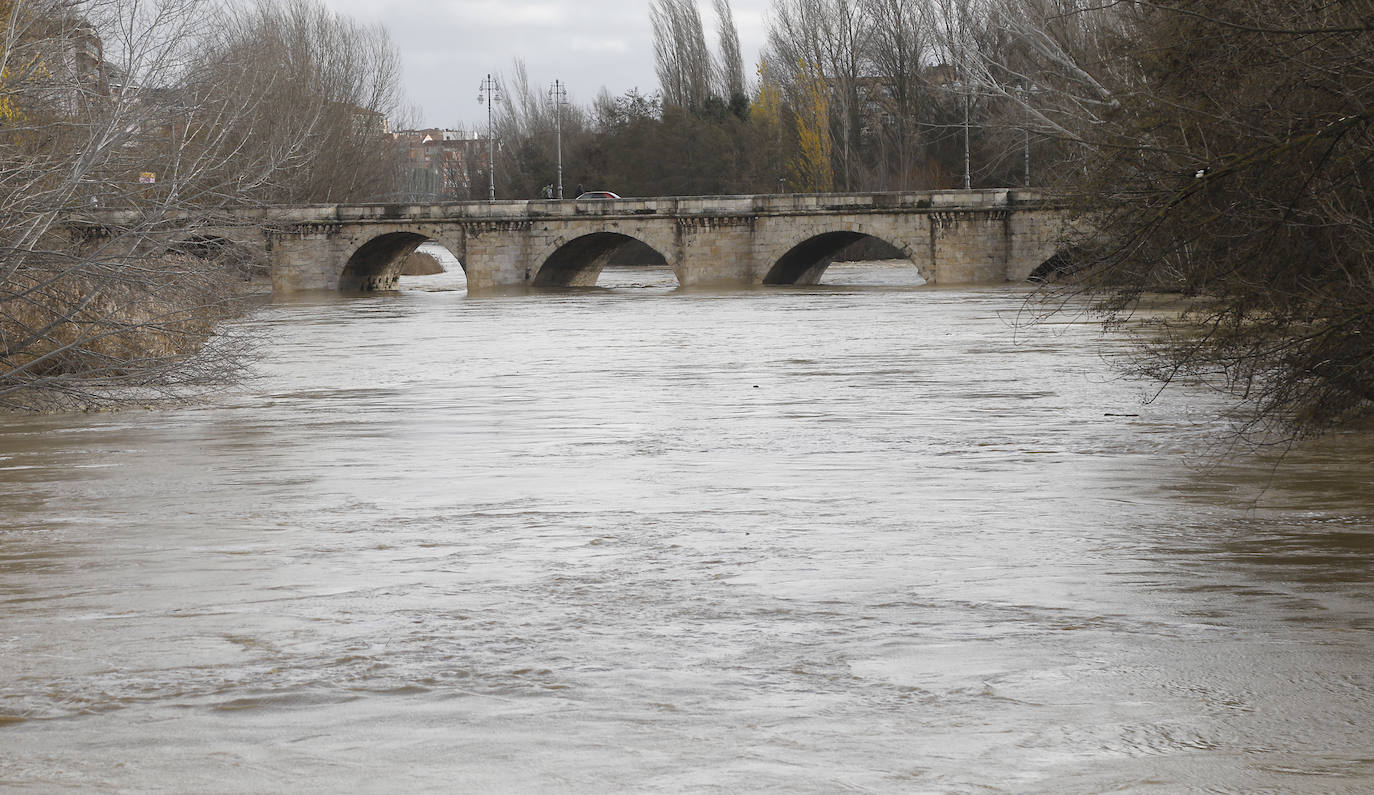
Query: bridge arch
[
  {"x": 207, "y": 246},
  {"x": 1064, "y": 263},
  {"x": 243, "y": 259},
  {"x": 377, "y": 264},
  {"x": 579, "y": 262},
  {"x": 807, "y": 261}
]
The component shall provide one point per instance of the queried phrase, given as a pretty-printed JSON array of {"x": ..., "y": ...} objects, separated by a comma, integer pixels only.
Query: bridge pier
[
  {"x": 969, "y": 247},
  {"x": 714, "y": 250},
  {"x": 1034, "y": 234}
]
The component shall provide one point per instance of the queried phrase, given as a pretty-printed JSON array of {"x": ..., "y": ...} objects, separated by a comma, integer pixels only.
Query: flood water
[{"x": 867, "y": 538}]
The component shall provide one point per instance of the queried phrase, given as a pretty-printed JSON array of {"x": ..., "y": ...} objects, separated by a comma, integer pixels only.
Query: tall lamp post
[
  {"x": 968, "y": 182},
  {"x": 1027, "y": 91},
  {"x": 489, "y": 93},
  {"x": 558, "y": 97},
  {"x": 1027, "y": 151},
  {"x": 965, "y": 92}
]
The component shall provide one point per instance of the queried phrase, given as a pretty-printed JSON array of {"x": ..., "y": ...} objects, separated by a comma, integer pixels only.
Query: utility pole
[
  {"x": 489, "y": 93},
  {"x": 558, "y": 97}
]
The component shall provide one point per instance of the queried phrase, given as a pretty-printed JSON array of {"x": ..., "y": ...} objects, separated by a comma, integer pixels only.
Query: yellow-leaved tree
[{"x": 811, "y": 169}]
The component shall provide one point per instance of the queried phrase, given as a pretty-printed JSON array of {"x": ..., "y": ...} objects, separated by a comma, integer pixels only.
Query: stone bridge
[{"x": 952, "y": 237}]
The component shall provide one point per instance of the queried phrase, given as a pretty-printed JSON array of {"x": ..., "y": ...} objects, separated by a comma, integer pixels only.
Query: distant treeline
[{"x": 849, "y": 95}]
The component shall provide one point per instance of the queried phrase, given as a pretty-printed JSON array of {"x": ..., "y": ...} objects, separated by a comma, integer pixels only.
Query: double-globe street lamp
[
  {"x": 558, "y": 97},
  {"x": 489, "y": 93}
]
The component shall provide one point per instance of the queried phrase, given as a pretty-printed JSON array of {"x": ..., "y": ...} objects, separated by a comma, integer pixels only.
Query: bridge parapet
[
  {"x": 786, "y": 203},
  {"x": 766, "y": 204}
]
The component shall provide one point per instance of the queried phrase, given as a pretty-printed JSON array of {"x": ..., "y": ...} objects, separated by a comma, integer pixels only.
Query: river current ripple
[{"x": 871, "y": 538}]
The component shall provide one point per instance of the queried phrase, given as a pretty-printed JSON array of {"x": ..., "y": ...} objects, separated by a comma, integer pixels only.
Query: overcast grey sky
[{"x": 449, "y": 46}]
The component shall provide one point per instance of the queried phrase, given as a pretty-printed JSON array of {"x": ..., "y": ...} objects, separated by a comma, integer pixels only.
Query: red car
[{"x": 597, "y": 194}]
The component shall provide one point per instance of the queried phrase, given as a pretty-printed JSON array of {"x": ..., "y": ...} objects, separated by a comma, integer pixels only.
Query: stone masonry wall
[{"x": 953, "y": 237}]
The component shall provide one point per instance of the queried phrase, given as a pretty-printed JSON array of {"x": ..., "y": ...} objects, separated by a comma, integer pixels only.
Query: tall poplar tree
[{"x": 682, "y": 60}]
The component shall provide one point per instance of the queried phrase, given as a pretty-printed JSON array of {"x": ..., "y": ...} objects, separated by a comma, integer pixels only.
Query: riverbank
[{"x": 97, "y": 335}]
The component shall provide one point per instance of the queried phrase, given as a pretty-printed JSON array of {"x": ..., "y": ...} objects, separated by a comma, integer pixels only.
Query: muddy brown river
[{"x": 863, "y": 537}]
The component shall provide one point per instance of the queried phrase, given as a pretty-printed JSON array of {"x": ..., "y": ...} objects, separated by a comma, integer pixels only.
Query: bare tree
[
  {"x": 312, "y": 91},
  {"x": 897, "y": 51},
  {"x": 126, "y": 126},
  {"x": 81, "y": 323},
  {"x": 1225, "y": 155}
]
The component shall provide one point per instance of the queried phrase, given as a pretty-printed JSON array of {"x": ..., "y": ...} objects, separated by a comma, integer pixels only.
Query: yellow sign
[{"x": 147, "y": 177}]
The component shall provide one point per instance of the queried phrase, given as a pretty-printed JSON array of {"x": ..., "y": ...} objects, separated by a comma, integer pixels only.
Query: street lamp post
[
  {"x": 489, "y": 93},
  {"x": 1027, "y": 154},
  {"x": 558, "y": 97},
  {"x": 1027, "y": 91},
  {"x": 968, "y": 182},
  {"x": 965, "y": 92}
]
